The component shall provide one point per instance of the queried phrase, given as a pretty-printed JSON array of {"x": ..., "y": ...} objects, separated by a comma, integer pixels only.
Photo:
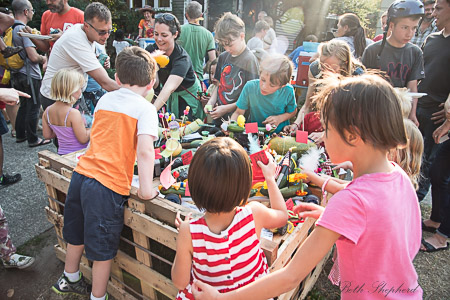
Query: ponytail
[{"x": 359, "y": 40}]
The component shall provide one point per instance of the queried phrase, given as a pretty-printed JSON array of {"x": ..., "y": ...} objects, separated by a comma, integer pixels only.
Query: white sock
[
  {"x": 95, "y": 298},
  {"x": 73, "y": 277}
]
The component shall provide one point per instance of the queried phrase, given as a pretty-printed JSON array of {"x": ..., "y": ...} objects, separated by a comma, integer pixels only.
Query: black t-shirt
[
  {"x": 401, "y": 64},
  {"x": 436, "y": 56},
  {"x": 233, "y": 72},
  {"x": 180, "y": 64}
]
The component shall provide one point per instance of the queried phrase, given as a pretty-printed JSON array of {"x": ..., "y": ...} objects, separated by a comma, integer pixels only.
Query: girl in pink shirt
[{"x": 375, "y": 221}]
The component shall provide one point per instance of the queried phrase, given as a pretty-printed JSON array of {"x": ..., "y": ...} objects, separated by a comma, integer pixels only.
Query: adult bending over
[{"x": 179, "y": 85}]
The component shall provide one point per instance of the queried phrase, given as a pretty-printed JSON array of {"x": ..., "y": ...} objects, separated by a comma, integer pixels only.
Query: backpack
[{"x": 14, "y": 62}]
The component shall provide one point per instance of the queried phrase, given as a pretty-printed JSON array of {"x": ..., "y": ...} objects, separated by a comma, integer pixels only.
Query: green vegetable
[
  {"x": 282, "y": 144},
  {"x": 181, "y": 191}
]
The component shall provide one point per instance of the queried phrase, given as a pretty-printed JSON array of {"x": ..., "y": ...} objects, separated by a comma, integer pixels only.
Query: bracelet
[
  {"x": 296, "y": 124},
  {"x": 324, "y": 185},
  {"x": 324, "y": 193}
]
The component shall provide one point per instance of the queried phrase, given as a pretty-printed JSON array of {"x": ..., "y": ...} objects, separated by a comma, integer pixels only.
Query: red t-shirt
[{"x": 61, "y": 22}]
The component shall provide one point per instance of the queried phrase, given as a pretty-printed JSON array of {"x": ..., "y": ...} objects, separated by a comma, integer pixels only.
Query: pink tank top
[
  {"x": 67, "y": 141},
  {"x": 228, "y": 260}
]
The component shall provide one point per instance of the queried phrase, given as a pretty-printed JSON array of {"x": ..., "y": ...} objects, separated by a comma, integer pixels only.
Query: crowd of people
[{"x": 396, "y": 147}]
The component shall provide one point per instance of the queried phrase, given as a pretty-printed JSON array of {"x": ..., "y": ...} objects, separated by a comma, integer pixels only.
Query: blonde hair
[
  {"x": 410, "y": 157},
  {"x": 342, "y": 52},
  {"x": 65, "y": 83},
  {"x": 229, "y": 26},
  {"x": 279, "y": 67},
  {"x": 405, "y": 101}
]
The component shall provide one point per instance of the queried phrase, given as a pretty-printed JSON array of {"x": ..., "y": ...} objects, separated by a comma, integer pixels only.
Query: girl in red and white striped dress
[{"x": 222, "y": 247}]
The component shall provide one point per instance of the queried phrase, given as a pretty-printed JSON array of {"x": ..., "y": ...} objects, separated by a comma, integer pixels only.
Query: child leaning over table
[
  {"x": 125, "y": 125},
  {"x": 270, "y": 99}
]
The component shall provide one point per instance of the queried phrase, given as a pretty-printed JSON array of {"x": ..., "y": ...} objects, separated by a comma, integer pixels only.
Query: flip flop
[
  {"x": 41, "y": 143},
  {"x": 430, "y": 248},
  {"x": 428, "y": 228}
]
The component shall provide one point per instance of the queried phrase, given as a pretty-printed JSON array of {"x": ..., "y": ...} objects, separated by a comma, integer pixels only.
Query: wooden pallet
[{"x": 141, "y": 269}]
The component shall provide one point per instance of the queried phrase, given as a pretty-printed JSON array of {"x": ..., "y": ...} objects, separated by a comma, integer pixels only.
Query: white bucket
[{"x": 144, "y": 42}]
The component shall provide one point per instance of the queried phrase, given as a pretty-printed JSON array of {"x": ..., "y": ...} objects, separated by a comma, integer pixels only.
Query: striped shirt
[{"x": 228, "y": 260}]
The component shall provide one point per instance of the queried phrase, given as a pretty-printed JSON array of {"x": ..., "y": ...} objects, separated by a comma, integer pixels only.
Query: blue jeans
[{"x": 440, "y": 190}]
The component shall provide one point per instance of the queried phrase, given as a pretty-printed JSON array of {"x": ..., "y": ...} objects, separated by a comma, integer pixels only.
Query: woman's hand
[
  {"x": 273, "y": 120},
  {"x": 311, "y": 210},
  {"x": 11, "y": 96},
  {"x": 178, "y": 219}
]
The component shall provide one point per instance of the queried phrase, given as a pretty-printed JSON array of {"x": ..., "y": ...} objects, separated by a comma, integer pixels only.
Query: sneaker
[
  {"x": 6, "y": 179},
  {"x": 18, "y": 261},
  {"x": 10, "y": 51},
  {"x": 63, "y": 286}
]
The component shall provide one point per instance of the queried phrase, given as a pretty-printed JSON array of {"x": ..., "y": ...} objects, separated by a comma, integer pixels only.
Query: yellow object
[
  {"x": 241, "y": 121},
  {"x": 162, "y": 60},
  {"x": 296, "y": 177},
  {"x": 150, "y": 95},
  {"x": 173, "y": 148}
]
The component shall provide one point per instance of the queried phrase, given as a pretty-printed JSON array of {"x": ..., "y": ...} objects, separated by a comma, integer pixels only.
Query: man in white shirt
[{"x": 75, "y": 50}]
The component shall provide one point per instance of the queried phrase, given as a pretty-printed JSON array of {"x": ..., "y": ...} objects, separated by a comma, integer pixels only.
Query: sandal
[
  {"x": 40, "y": 143},
  {"x": 10, "y": 51},
  {"x": 428, "y": 228},
  {"x": 13, "y": 133},
  {"x": 430, "y": 248}
]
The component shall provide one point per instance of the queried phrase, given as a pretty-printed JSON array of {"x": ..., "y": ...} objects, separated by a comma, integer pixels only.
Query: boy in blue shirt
[{"x": 270, "y": 99}]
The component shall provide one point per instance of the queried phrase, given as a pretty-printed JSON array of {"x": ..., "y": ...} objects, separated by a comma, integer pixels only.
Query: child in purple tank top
[{"x": 60, "y": 120}]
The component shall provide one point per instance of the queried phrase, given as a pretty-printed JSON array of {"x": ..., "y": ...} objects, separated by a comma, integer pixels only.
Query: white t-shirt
[
  {"x": 72, "y": 50},
  {"x": 255, "y": 43},
  {"x": 120, "y": 45}
]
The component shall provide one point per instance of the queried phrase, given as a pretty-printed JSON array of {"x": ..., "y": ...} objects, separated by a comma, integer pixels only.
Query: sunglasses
[
  {"x": 100, "y": 32},
  {"x": 165, "y": 16}
]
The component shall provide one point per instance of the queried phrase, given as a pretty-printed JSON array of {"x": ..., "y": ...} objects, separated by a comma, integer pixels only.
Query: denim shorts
[{"x": 93, "y": 217}]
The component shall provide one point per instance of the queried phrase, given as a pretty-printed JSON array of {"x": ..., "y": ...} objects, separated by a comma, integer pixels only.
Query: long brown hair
[{"x": 356, "y": 31}]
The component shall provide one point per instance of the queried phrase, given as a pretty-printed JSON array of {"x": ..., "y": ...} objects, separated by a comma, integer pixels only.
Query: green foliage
[{"x": 366, "y": 10}]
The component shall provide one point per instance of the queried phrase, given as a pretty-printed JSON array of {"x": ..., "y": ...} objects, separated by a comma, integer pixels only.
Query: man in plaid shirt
[{"x": 427, "y": 24}]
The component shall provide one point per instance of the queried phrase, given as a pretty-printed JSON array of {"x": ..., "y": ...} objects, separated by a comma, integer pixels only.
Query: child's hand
[
  {"x": 305, "y": 210},
  {"x": 269, "y": 169},
  {"x": 202, "y": 290},
  {"x": 178, "y": 219},
  {"x": 290, "y": 128},
  {"x": 273, "y": 120},
  {"x": 317, "y": 137},
  {"x": 218, "y": 112}
]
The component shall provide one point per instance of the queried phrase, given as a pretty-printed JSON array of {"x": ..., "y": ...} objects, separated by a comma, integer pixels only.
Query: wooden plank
[
  {"x": 166, "y": 211},
  {"x": 309, "y": 284},
  {"x": 53, "y": 178},
  {"x": 44, "y": 162},
  {"x": 57, "y": 161},
  {"x": 114, "y": 290},
  {"x": 66, "y": 173},
  {"x": 146, "y": 259},
  {"x": 143, "y": 273},
  {"x": 151, "y": 228},
  {"x": 291, "y": 244},
  {"x": 270, "y": 249}
]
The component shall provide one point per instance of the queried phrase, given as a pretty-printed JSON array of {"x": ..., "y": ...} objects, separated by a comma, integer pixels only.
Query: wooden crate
[{"x": 141, "y": 269}]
